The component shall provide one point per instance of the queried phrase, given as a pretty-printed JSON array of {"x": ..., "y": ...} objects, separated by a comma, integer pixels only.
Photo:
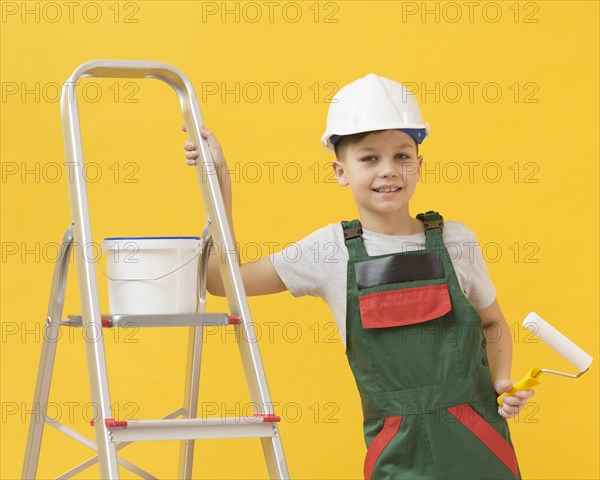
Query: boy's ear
[
  {"x": 420, "y": 163},
  {"x": 338, "y": 169}
]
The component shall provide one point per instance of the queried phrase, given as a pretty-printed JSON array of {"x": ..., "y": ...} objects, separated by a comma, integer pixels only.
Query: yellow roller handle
[{"x": 531, "y": 379}]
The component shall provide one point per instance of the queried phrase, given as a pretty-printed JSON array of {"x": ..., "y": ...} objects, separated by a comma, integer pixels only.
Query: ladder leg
[
  {"x": 96, "y": 360},
  {"x": 274, "y": 456},
  {"x": 259, "y": 395},
  {"x": 50, "y": 340},
  {"x": 192, "y": 375},
  {"x": 107, "y": 454},
  {"x": 190, "y": 403}
]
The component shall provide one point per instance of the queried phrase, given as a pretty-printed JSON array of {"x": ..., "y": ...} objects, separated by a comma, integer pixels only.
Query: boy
[{"x": 411, "y": 315}]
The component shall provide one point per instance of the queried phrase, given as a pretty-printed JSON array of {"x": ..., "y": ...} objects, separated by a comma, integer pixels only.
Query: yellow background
[{"x": 538, "y": 222}]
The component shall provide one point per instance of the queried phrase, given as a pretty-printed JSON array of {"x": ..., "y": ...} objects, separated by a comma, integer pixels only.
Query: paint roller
[{"x": 561, "y": 344}]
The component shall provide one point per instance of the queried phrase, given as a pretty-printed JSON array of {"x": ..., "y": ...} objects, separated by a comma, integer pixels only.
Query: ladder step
[
  {"x": 158, "y": 320},
  {"x": 193, "y": 428}
]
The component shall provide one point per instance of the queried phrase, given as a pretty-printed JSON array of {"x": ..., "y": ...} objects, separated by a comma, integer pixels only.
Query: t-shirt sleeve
[
  {"x": 302, "y": 266},
  {"x": 471, "y": 269}
]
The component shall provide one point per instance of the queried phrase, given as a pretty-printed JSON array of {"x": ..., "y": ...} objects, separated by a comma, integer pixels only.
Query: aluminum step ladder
[{"x": 113, "y": 434}]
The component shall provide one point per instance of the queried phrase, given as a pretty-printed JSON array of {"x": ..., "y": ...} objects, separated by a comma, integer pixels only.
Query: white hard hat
[{"x": 373, "y": 103}]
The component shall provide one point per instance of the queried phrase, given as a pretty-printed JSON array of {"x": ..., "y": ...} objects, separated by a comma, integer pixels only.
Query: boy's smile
[
  {"x": 382, "y": 170},
  {"x": 388, "y": 189}
]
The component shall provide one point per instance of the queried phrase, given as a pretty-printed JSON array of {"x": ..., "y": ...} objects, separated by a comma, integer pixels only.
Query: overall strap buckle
[
  {"x": 352, "y": 232},
  {"x": 353, "y": 239},
  {"x": 431, "y": 220}
]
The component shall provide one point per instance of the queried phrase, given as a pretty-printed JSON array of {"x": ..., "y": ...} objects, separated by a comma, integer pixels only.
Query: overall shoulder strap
[
  {"x": 434, "y": 224},
  {"x": 353, "y": 238}
]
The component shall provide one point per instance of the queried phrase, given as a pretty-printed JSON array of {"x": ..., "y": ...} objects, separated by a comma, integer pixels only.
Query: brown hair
[{"x": 345, "y": 141}]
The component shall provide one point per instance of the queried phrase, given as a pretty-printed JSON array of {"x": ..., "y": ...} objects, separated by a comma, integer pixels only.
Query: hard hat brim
[{"x": 417, "y": 132}]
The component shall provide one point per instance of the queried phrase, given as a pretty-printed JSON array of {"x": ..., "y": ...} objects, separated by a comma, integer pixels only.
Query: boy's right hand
[
  {"x": 259, "y": 277},
  {"x": 191, "y": 153}
]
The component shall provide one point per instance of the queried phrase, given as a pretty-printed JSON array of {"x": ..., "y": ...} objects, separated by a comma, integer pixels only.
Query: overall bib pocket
[
  {"x": 402, "y": 289},
  {"x": 407, "y": 306}
]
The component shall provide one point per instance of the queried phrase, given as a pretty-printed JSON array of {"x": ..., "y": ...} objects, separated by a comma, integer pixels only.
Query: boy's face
[{"x": 382, "y": 170}]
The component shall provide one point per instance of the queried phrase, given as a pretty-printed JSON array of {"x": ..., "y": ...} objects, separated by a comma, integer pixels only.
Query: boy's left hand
[{"x": 512, "y": 404}]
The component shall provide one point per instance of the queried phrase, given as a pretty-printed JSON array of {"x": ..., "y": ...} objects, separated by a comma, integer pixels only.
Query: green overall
[{"x": 417, "y": 350}]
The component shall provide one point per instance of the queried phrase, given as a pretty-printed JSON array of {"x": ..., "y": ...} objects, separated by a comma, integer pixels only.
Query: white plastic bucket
[{"x": 152, "y": 274}]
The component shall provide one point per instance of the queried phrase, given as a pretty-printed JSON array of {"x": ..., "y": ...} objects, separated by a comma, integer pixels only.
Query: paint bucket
[{"x": 152, "y": 274}]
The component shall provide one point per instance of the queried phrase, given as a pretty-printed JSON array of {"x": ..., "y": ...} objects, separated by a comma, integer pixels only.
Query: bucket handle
[
  {"x": 147, "y": 279},
  {"x": 207, "y": 243}
]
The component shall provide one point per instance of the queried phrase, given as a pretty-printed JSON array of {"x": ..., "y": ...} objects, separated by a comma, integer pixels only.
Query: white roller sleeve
[{"x": 565, "y": 347}]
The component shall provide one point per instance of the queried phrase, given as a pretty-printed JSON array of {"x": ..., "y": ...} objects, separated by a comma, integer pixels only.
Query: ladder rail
[{"x": 86, "y": 273}]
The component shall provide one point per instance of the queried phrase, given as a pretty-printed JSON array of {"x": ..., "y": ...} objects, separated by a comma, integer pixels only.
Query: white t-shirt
[{"x": 317, "y": 265}]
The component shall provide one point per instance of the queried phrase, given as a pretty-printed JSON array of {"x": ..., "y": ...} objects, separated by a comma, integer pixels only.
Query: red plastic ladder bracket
[{"x": 111, "y": 423}]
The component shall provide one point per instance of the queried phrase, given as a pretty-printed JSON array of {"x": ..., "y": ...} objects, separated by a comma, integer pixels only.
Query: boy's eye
[{"x": 371, "y": 158}]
